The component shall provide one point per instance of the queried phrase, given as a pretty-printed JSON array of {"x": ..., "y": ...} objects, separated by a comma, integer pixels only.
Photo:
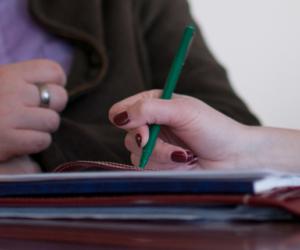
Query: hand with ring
[{"x": 32, "y": 94}]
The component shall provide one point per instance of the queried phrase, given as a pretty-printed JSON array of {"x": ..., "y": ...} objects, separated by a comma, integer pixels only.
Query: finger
[
  {"x": 58, "y": 96},
  {"x": 40, "y": 119},
  {"x": 29, "y": 95},
  {"x": 136, "y": 139},
  {"x": 124, "y": 104},
  {"x": 40, "y": 70},
  {"x": 19, "y": 165},
  {"x": 173, "y": 113},
  {"x": 153, "y": 165},
  {"x": 163, "y": 152},
  {"x": 24, "y": 142},
  {"x": 32, "y": 142}
]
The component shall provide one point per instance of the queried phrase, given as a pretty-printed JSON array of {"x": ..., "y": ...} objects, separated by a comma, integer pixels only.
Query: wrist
[
  {"x": 271, "y": 148},
  {"x": 253, "y": 145}
]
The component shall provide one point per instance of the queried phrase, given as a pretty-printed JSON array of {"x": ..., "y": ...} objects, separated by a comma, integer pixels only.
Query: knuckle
[
  {"x": 150, "y": 93},
  {"x": 134, "y": 159},
  {"x": 154, "y": 93},
  {"x": 127, "y": 142},
  {"x": 143, "y": 106},
  {"x": 53, "y": 121},
  {"x": 54, "y": 68},
  {"x": 61, "y": 97},
  {"x": 145, "y": 110}
]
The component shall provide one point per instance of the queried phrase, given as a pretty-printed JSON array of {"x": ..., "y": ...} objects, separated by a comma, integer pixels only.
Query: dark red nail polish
[
  {"x": 179, "y": 156},
  {"x": 138, "y": 139},
  {"x": 121, "y": 119}
]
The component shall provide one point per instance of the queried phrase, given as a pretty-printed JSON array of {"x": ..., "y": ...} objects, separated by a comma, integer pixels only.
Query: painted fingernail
[
  {"x": 180, "y": 156},
  {"x": 121, "y": 119},
  {"x": 138, "y": 139}
]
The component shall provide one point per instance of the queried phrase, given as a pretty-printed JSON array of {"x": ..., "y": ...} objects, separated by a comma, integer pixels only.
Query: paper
[
  {"x": 221, "y": 213},
  {"x": 191, "y": 174}
]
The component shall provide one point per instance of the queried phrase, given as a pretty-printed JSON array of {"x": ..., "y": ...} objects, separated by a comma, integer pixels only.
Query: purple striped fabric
[{"x": 22, "y": 39}]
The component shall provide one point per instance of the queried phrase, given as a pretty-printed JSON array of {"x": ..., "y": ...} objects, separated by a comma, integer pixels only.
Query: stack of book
[{"x": 107, "y": 191}]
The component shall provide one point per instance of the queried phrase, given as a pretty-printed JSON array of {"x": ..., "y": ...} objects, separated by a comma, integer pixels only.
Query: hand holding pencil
[
  {"x": 190, "y": 136},
  {"x": 169, "y": 88},
  {"x": 193, "y": 135}
]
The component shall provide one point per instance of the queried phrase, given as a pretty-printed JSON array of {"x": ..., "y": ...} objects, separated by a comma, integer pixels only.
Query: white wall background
[{"x": 258, "y": 42}]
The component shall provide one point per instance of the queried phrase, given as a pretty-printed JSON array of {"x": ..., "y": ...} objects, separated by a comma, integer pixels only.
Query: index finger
[{"x": 126, "y": 103}]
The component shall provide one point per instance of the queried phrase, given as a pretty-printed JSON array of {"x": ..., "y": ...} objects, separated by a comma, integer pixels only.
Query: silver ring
[{"x": 44, "y": 95}]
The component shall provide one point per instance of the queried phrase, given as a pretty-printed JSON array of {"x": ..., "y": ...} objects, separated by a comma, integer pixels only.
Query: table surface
[{"x": 88, "y": 235}]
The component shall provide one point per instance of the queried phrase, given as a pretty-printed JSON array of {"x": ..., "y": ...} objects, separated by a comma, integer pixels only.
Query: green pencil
[{"x": 169, "y": 88}]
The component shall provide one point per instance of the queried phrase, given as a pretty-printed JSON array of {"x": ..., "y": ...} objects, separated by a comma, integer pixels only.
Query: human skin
[
  {"x": 25, "y": 127},
  {"x": 194, "y": 135}
]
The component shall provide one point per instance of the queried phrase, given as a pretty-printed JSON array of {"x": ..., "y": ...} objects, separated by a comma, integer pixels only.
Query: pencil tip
[{"x": 143, "y": 162}]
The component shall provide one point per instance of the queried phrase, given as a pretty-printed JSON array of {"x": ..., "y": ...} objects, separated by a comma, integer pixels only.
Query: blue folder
[
  {"x": 124, "y": 183},
  {"x": 110, "y": 186}
]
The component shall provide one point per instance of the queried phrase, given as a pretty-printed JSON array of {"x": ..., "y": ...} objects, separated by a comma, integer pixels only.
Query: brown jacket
[{"x": 123, "y": 47}]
